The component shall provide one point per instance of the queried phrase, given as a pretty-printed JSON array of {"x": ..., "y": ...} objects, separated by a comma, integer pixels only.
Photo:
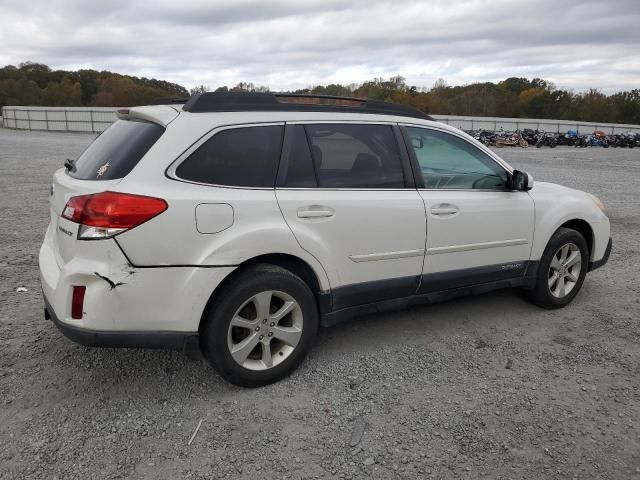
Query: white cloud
[{"x": 286, "y": 44}]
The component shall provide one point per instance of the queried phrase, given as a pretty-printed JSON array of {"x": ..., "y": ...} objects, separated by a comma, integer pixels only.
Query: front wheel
[
  {"x": 260, "y": 326},
  {"x": 562, "y": 270}
]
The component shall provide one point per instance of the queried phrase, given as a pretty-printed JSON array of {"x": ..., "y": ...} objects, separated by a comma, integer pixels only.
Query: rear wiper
[{"x": 70, "y": 165}]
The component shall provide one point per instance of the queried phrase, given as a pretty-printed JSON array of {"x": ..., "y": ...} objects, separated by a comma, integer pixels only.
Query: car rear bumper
[
  {"x": 604, "y": 259},
  {"x": 183, "y": 341},
  {"x": 125, "y": 306}
]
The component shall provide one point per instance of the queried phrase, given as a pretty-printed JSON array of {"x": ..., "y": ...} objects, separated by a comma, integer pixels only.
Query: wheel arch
[
  {"x": 548, "y": 226},
  {"x": 584, "y": 228},
  {"x": 289, "y": 262}
]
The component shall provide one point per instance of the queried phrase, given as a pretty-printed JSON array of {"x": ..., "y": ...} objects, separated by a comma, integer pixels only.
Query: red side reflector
[{"x": 77, "y": 302}]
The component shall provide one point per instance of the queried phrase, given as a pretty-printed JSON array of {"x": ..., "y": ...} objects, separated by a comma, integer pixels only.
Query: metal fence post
[
  {"x": 46, "y": 120},
  {"x": 66, "y": 121},
  {"x": 29, "y": 118},
  {"x": 91, "y": 117}
]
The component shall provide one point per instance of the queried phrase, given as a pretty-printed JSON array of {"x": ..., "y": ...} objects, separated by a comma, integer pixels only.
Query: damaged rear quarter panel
[{"x": 122, "y": 297}]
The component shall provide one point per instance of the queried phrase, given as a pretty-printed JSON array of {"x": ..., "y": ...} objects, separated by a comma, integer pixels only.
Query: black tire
[
  {"x": 541, "y": 294},
  {"x": 248, "y": 283}
]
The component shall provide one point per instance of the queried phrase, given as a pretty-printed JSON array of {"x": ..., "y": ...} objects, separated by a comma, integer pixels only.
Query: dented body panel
[{"x": 120, "y": 297}]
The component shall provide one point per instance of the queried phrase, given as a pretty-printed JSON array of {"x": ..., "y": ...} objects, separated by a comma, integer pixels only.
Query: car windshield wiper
[{"x": 70, "y": 165}]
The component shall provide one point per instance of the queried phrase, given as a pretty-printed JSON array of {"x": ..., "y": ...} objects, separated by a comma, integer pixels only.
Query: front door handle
[
  {"x": 444, "y": 209},
  {"x": 315, "y": 211}
]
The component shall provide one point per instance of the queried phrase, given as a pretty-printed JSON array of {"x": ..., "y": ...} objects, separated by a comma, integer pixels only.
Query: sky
[{"x": 299, "y": 43}]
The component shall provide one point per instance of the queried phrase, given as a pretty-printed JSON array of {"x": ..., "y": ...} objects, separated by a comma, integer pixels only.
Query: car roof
[
  {"x": 165, "y": 114},
  {"x": 290, "y": 102}
]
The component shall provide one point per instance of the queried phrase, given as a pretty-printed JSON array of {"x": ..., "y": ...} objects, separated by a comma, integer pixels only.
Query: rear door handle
[
  {"x": 315, "y": 211},
  {"x": 444, "y": 209}
]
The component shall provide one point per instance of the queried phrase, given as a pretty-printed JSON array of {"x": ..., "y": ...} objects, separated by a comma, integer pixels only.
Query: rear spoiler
[{"x": 160, "y": 114}]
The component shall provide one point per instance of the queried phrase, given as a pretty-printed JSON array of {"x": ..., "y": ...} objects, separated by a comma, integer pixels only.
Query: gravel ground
[{"x": 481, "y": 387}]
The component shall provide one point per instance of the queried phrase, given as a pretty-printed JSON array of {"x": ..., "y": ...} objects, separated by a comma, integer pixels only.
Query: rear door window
[
  {"x": 355, "y": 156},
  {"x": 240, "y": 157},
  {"x": 117, "y": 150}
]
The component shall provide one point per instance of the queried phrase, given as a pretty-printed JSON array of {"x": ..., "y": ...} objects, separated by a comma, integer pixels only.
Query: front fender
[{"x": 556, "y": 205}]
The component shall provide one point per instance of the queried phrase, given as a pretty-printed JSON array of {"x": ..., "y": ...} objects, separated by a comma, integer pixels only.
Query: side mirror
[{"x": 521, "y": 181}]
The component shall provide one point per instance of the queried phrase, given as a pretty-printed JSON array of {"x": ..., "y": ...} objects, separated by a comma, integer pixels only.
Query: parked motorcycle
[
  {"x": 546, "y": 139},
  {"x": 511, "y": 139}
]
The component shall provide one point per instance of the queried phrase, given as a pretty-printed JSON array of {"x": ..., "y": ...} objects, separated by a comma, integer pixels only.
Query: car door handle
[
  {"x": 444, "y": 209},
  {"x": 315, "y": 211}
]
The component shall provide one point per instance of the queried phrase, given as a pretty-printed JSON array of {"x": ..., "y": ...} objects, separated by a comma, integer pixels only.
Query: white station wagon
[{"x": 238, "y": 223}]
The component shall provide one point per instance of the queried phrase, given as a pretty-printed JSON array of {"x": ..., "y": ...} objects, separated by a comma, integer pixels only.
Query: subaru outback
[{"x": 238, "y": 223}]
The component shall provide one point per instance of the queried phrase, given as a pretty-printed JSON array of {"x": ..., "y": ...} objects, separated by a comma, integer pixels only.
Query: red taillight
[
  {"x": 112, "y": 212},
  {"x": 77, "y": 302}
]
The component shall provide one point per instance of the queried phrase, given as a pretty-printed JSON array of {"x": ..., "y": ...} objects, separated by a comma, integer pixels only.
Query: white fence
[
  {"x": 97, "y": 119},
  {"x": 512, "y": 124},
  {"x": 59, "y": 119}
]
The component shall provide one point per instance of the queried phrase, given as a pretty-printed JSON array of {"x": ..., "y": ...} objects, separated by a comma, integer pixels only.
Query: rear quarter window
[
  {"x": 117, "y": 150},
  {"x": 237, "y": 157}
]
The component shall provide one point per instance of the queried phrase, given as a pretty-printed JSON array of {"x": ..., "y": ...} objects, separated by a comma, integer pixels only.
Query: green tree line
[
  {"x": 37, "y": 84},
  {"x": 513, "y": 97}
]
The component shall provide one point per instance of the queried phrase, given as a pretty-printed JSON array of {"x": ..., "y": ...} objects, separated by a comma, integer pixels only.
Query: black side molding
[
  {"x": 436, "y": 282},
  {"x": 604, "y": 260},
  {"x": 181, "y": 341},
  {"x": 392, "y": 289},
  {"x": 344, "y": 314},
  {"x": 375, "y": 291}
]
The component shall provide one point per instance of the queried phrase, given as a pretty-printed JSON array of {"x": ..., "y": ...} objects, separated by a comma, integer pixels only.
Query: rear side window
[
  {"x": 239, "y": 157},
  {"x": 117, "y": 150},
  {"x": 355, "y": 156}
]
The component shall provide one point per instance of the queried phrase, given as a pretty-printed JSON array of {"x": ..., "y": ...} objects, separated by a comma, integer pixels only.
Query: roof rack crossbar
[{"x": 294, "y": 102}]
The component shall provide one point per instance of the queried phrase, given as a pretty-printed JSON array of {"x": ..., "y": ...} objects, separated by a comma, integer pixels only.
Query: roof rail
[
  {"x": 170, "y": 101},
  {"x": 294, "y": 102}
]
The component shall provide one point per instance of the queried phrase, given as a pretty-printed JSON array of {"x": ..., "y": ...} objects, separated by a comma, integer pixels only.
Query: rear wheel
[
  {"x": 260, "y": 327},
  {"x": 562, "y": 270}
]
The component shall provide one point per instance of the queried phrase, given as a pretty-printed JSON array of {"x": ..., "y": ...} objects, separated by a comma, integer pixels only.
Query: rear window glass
[
  {"x": 117, "y": 150},
  {"x": 239, "y": 157}
]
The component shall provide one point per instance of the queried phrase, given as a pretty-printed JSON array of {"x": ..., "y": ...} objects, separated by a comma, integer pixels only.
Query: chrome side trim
[
  {"x": 476, "y": 246},
  {"x": 373, "y": 257}
]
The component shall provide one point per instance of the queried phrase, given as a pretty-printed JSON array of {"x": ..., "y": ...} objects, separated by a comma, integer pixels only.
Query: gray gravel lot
[{"x": 418, "y": 393}]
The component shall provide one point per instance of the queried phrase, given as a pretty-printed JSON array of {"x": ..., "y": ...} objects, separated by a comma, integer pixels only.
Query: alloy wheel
[
  {"x": 265, "y": 330},
  {"x": 564, "y": 270}
]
